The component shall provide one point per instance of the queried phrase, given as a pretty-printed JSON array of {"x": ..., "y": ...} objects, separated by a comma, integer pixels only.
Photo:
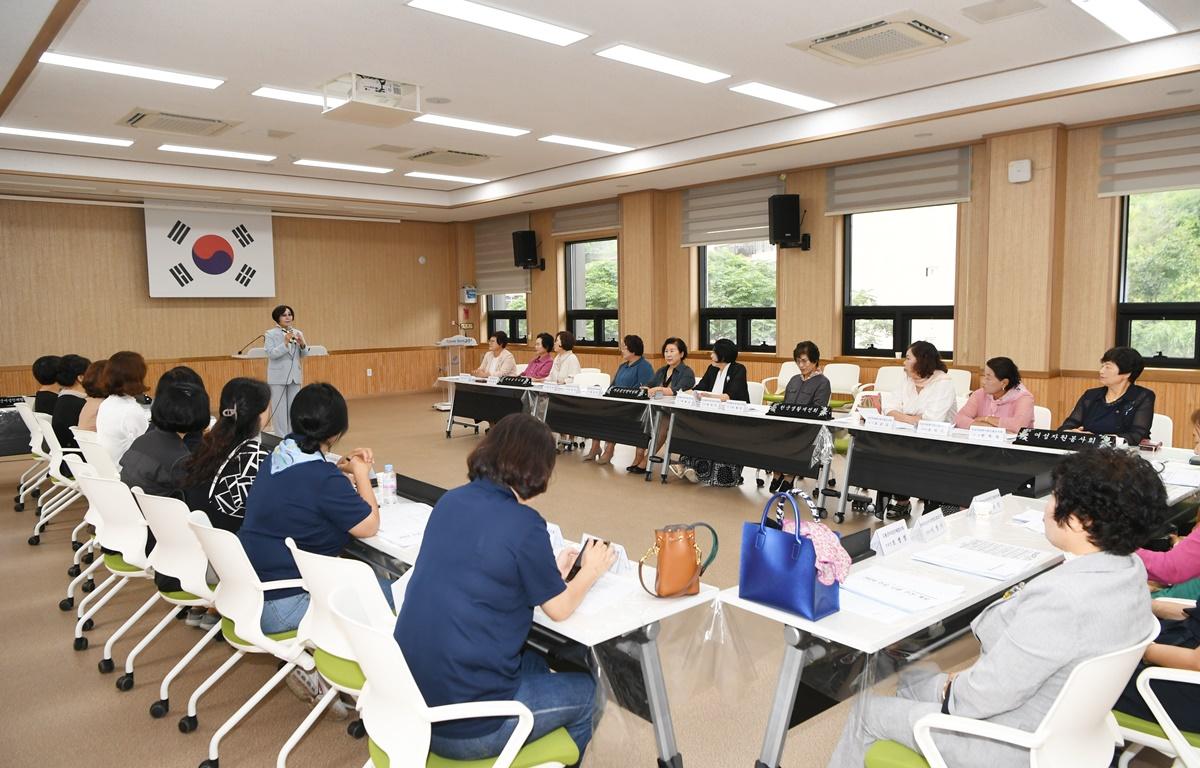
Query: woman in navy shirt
[
  {"x": 634, "y": 371},
  {"x": 1119, "y": 406},
  {"x": 485, "y": 563}
]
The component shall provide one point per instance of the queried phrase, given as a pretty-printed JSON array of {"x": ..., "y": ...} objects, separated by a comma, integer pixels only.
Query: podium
[
  {"x": 453, "y": 346},
  {"x": 254, "y": 353}
]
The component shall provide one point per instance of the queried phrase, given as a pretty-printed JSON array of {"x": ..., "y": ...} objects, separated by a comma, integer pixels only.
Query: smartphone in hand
[{"x": 579, "y": 560}]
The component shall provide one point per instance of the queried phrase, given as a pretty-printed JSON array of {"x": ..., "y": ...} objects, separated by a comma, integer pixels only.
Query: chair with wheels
[
  {"x": 1042, "y": 418},
  {"x": 1162, "y": 430},
  {"x": 962, "y": 381},
  {"x": 398, "y": 720},
  {"x": 65, "y": 490},
  {"x": 520, "y": 369},
  {"x": 1079, "y": 730},
  {"x": 592, "y": 378},
  {"x": 757, "y": 392},
  {"x": 101, "y": 464},
  {"x": 843, "y": 380},
  {"x": 1162, "y": 734},
  {"x": 589, "y": 370},
  {"x": 33, "y": 477},
  {"x": 775, "y": 386}
]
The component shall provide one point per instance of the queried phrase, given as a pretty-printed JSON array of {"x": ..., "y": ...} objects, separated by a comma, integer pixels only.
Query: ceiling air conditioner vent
[
  {"x": 448, "y": 157},
  {"x": 889, "y": 39},
  {"x": 167, "y": 122}
]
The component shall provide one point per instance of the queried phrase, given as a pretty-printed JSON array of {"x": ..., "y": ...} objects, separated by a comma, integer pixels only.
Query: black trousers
[{"x": 1181, "y": 700}]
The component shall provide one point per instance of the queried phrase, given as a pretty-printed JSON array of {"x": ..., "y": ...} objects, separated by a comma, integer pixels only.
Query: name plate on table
[
  {"x": 516, "y": 381},
  {"x": 627, "y": 393},
  {"x": 466, "y": 377},
  {"x": 735, "y": 406},
  {"x": 867, "y": 413},
  {"x": 892, "y": 537},
  {"x": 934, "y": 428},
  {"x": 493, "y": 379},
  {"x": 711, "y": 403},
  {"x": 686, "y": 401},
  {"x": 786, "y": 411},
  {"x": 595, "y": 389},
  {"x": 569, "y": 389},
  {"x": 931, "y": 525},
  {"x": 990, "y": 435},
  {"x": 987, "y": 504},
  {"x": 881, "y": 422},
  {"x": 1070, "y": 441}
]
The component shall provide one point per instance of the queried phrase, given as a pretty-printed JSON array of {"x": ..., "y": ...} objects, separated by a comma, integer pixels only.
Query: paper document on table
[
  {"x": 848, "y": 602},
  {"x": 990, "y": 559},
  {"x": 1032, "y": 520},
  {"x": 404, "y": 524},
  {"x": 608, "y": 590},
  {"x": 902, "y": 590},
  {"x": 1181, "y": 476}
]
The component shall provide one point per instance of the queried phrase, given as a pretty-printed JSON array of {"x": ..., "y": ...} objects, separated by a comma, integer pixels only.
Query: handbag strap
[{"x": 712, "y": 555}]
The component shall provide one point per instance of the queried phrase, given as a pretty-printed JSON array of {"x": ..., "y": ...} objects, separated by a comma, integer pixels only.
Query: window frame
[
  {"x": 742, "y": 315},
  {"x": 901, "y": 316},
  {"x": 1129, "y": 311},
  {"x": 507, "y": 320},
  {"x": 596, "y": 317}
]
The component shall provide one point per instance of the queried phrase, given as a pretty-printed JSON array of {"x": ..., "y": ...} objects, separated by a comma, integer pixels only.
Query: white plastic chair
[
  {"x": 1079, "y": 729},
  {"x": 239, "y": 598},
  {"x": 888, "y": 378},
  {"x": 1162, "y": 430},
  {"x": 589, "y": 370},
  {"x": 1042, "y": 418},
  {"x": 520, "y": 369},
  {"x": 395, "y": 713},
  {"x": 591, "y": 377},
  {"x": 962, "y": 381},
  {"x": 69, "y": 489},
  {"x": 101, "y": 465},
  {"x": 757, "y": 391},
  {"x": 33, "y": 477},
  {"x": 87, "y": 551},
  {"x": 787, "y": 370},
  {"x": 843, "y": 377},
  {"x": 1176, "y": 744}
]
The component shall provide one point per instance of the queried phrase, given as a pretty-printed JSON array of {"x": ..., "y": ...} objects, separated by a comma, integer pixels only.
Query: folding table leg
[
  {"x": 656, "y": 692},
  {"x": 841, "y": 510},
  {"x": 785, "y": 699}
]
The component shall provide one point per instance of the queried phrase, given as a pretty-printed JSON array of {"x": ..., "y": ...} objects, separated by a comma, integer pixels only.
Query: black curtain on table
[
  {"x": 625, "y": 422},
  {"x": 777, "y": 445},
  {"x": 486, "y": 403}
]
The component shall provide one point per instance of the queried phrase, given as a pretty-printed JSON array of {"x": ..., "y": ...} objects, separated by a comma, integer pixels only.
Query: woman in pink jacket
[
  {"x": 1176, "y": 572},
  {"x": 1000, "y": 401}
]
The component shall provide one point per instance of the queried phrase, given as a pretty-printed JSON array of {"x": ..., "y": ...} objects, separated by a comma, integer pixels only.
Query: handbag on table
[{"x": 679, "y": 563}]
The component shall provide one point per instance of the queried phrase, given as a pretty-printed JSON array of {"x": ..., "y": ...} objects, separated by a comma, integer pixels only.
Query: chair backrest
[
  {"x": 590, "y": 377},
  {"x": 843, "y": 377},
  {"x": 787, "y": 370},
  {"x": 80, "y": 468},
  {"x": 589, "y": 370},
  {"x": 889, "y": 378},
  {"x": 323, "y": 576},
  {"x": 177, "y": 551},
  {"x": 1079, "y": 729},
  {"x": 393, "y": 709},
  {"x": 123, "y": 527},
  {"x": 56, "y": 451},
  {"x": 962, "y": 381},
  {"x": 94, "y": 453},
  {"x": 757, "y": 391},
  {"x": 1041, "y": 417},
  {"x": 1162, "y": 430},
  {"x": 35, "y": 428},
  {"x": 520, "y": 369}
]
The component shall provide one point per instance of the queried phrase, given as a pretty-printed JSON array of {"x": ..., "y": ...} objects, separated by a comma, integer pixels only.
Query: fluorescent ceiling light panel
[
  {"x": 445, "y": 177},
  {"x": 502, "y": 20},
  {"x": 216, "y": 153},
  {"x": 470, "y": 125},
  {"x": 665, "y": 64},
  {"x": 300, "y": 97},
  {"x": 1131, "y": 19},
  {"x": 343, "y": 166},
  {"x": 129, "y": 70},
  {"x": 780, "y": 96},
  {"x": 585, "y": 143},
  {"x": 65, "y": 136}
]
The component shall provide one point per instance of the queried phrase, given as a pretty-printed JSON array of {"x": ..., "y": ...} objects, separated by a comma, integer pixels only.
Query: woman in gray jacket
[{"x": 285, "y": 346}]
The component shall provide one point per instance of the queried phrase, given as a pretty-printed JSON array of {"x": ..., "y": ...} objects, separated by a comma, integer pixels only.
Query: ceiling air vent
[
  {"x": 897, "y": 37},
  {"x": 448, "y": 157},
  {"x": 166, "y": 122}
]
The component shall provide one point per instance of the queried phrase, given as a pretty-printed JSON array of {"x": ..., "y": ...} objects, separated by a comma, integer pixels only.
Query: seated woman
[
  {"x": 634, "y": 371},
  {"x": 464, "y": 620},
  {"x": 1176, "y": 647},
  {"x": 1104, "y": 504},
  {"x": 184, "y": 375},
  {"x": 155, "y": 459},
  {"x": 497, "y": 361},
  {"x": 1000, "y": 401},
  {"x": 928, "y": 392},
  {"x": 725, "y": 380},
  {"x": 121, "y": 418},
  {"x": 566, "y": 365},
  {"x": 809, "y": 388},
  {"x": 221, "y": 471},
  {"x": 93, "y": 385},
  {"x": 71, "y": 399},
  {"x": 1119, "y": 406},
  {"x": 539, "y": 367},
  {"x": 45, "y": 370},
  {"x": 1176, "y": 572},
  {"x": 668, "y": 381}
]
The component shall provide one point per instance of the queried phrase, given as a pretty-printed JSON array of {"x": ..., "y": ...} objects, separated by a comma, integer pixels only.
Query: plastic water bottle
[{"x": 387, "y": 484}]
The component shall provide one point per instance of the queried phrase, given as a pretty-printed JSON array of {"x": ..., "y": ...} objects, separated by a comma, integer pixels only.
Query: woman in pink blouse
[
  {"x": 1000, "y": 401},
  {"x": 539, "y": 367}
]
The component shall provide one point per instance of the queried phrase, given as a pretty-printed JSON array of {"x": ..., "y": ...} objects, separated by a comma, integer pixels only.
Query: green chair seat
[
  {"x": 556, "y": 746},
  {"x": 892, "y": 754},
  {"x": 841, "y": 444},
  {"x": 339, "y": 671},
  {"x": 115, "y": 563},
  {"x": 180, "y": 595},
  {"x": 1151, "y": 728},
  {"x": 771, "y": 397},
  {"x": 839, "y": 403},
  {"x": 227, "y": 629}
]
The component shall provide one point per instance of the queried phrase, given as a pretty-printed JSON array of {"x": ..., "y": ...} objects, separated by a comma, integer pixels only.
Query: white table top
[
  {"x": 872, "y": 634},
  {"x": 620, "y": 604}
]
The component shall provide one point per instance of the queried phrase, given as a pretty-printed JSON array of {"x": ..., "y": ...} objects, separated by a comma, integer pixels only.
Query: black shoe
[
  {"x": 785, "y": 486},
  {"x": 634, "y": 469},
  {"x": 901, "y": 511},
  {"x": 775, "y": 481}
]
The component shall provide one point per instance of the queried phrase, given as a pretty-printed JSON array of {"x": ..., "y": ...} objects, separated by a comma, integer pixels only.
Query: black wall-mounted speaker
[
  {"x": 783, "y": 215},
  {"x": 525, "y": 252}
]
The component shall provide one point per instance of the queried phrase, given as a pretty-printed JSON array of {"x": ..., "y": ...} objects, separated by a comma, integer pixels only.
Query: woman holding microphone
[{"x": 285, "y": 346}]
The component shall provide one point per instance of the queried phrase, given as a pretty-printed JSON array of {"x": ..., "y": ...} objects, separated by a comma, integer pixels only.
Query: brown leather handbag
[{"x": 678, "y": 565}]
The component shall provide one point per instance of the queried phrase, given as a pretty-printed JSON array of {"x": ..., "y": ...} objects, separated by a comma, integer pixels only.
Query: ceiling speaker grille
[
  {"x": 167, "y": 122},
  {"x": 897, "y": 37},
  {"x": 454, "y": 157}
]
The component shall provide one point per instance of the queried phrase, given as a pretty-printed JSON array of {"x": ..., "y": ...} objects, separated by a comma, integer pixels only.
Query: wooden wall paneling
[
  {"x": 971, "y": 269},
  {"x": 1057, "y": 235},
  {"x": 1091, "y": 257},
  {"x": 676, "y": 276},
  {"x": 808, "y": 295},
  {"x": 635, "y": 264},
  {"x": 462, "y": 260},
  {"x": 546, "y": 311}
]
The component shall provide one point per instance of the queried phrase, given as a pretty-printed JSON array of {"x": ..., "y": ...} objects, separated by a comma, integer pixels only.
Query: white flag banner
[{"x": 223, "y": 252}]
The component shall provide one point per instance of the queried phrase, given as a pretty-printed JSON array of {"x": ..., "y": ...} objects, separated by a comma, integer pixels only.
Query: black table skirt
[
  {"x": 623, "y": 422},
  {"x": 486, "y": 403},
  {"x": 14, "y": 436},
  {"x": 777, "y": 445}
]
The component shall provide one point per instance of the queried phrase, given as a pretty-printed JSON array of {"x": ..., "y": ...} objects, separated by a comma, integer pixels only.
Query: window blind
[
  {"x": 930, "y": 178},
  {"x": 587, "y": 218},
  {"x": 728, "y": 213},
  {"x": 1150, "y": 155},
  {"x": 494, "y": 270}
]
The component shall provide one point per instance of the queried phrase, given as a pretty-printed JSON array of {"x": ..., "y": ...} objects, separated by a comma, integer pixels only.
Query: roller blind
[
  {"x": 930, "y": 178},
  {"x": 494, "y": 270},
  {"x": 1150, "y": 155},
  {"x": 587, "y": 218},
  {"x": 728, "y": 213}
]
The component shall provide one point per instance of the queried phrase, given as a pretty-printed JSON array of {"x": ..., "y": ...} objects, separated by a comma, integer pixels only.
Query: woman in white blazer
[
  {"x": 928, "y": 392},
  {"x": 121, "y": 419},
  {"x": 285, "y": 346}
]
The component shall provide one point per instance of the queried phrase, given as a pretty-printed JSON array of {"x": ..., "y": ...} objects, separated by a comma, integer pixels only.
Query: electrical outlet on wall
[{"x": 370, "y": 373}]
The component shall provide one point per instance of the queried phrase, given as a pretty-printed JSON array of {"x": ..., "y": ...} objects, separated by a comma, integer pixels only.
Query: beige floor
[{"x": 61, "y": 712}]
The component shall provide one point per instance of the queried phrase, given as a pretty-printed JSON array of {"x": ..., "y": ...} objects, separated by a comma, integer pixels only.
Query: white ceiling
[{"x": 497, "y": 77}]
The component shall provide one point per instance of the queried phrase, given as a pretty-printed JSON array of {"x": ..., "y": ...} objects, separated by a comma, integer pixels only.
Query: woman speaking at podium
[{"x": 285, "y": 346}]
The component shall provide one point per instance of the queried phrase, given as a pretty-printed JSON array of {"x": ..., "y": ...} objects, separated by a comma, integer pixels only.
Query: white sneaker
[
  {"x": 337, "y": 709},
  {"x": 208, "y": 621},
  {"x": 690, "y": 475},
  {"x": 195, "y": 615},
  {"x": 306, "y": 685}
]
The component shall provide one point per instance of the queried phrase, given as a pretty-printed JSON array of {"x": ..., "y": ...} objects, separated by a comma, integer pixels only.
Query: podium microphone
[{"x": 248, "y": 343}]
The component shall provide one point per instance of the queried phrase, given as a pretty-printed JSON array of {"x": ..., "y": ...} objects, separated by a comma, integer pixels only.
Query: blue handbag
[{"x": 779, "y": 569}]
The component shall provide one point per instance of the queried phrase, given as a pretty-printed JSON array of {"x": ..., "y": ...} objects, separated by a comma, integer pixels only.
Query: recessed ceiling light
[
  {"x": 664, "y": 64},
  {"x": 526, "y": 202},
  {"x": 780, "y": 96},
  {"x": 65, "y": 136},
  {"x": 437, "y": 100},
  {"x": 342, "y": 166},
  {"x": 502, "y": 20},
  {"x": 623, "y": 186},
  {"x": 585, "y": 143},
  {"x": 1131, "y": 19},
  {"x": 922, "y": 135},
  {"x": 470, "y": 125},
  {"x": 1180, "y": 91},
  {"x": 445, "y": 177},
  {"x": 749, "y": 165},
  {"x": 129, "y": 70},
  {"x": 300, "y": 97},
  {"x": 216, "y": 153}
]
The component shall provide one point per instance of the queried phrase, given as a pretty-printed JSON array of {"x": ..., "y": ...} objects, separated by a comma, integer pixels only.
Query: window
[
  {"x": 737, "y": 295},
  {"x": 506, "y": 312},
  {"x": 900, "y": 280},
  {"x": 592, "y": 291},
  {"x": 1158, "y": 310}
]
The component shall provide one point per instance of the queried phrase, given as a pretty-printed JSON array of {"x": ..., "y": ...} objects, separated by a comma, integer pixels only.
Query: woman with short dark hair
[
  {"x": 928, "y": 392},
  {"x": 45, "y": 370},
  {"x": 669, "y": 380},
  {"x": 1118, "y": 406},
  {"x": 543, "y": 360},
  {"x": 121, "y": 418},
  {"x": 725, "y": 380},
  {"x": 566, "y": 365},
  {"x": 809, "y": 387},
  {"x": 486, "y": 561},
  {"x": 497, "y": 361},
  {"x": 1000, "y": 401},
  {"x": 154, "y": 461},
  {"x": 285, "y": 346},
  {"x": 71, "y": 399},
  {"x": 633, "y": 372}
]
